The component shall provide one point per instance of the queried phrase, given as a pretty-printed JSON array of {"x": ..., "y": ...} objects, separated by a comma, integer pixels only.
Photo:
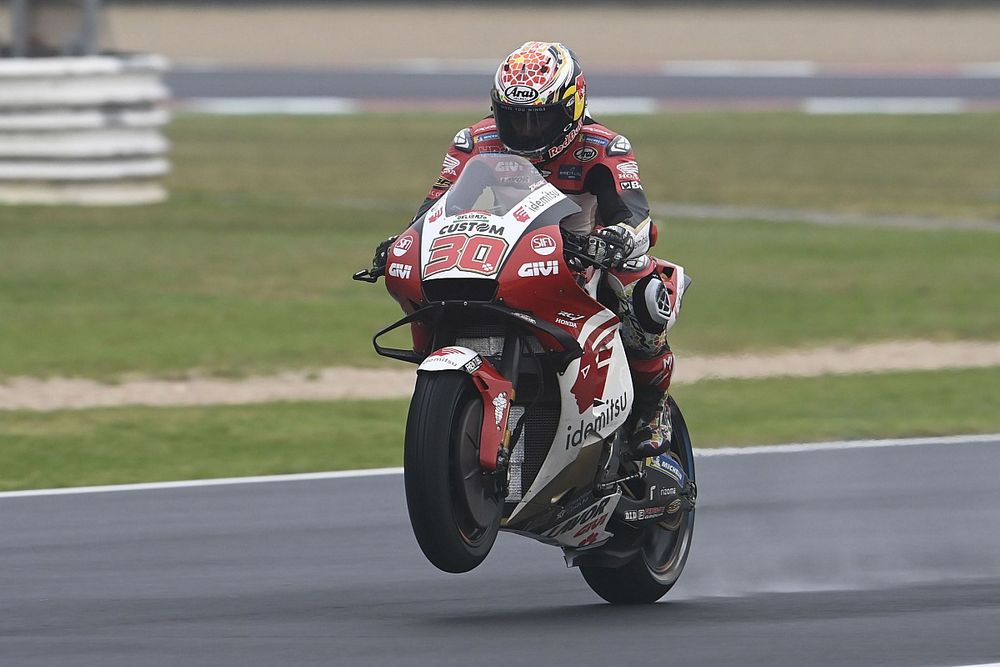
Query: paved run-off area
[
  {"x": 608, "y": 37},
  {"x": 355, "y": 383}
]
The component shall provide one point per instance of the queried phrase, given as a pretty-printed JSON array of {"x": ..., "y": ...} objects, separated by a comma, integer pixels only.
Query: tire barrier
[{"x": 83, "y": 130}]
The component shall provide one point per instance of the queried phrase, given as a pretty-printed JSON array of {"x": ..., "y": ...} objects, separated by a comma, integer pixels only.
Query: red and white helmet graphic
[{"x": 539, "y": 97}]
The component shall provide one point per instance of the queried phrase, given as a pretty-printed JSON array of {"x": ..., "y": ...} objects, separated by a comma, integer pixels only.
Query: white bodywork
[
  {"x": 577, "y": 431},
  {"x": 451, "y": 358},
  {"x": 479, "y": 223}
]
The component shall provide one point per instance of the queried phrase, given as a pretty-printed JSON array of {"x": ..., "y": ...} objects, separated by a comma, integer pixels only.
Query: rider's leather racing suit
[{"x": 598, "y": 171}]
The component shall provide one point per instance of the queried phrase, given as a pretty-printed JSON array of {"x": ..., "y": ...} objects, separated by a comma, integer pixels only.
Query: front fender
[{"x": 496, "y": 391}]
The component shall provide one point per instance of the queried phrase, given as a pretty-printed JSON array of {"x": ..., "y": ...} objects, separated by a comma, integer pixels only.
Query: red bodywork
[{"x": 535, "y": 280}]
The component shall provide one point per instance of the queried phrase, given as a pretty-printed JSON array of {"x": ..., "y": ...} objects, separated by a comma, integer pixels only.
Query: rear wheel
[
  {"x": 663, "y": 553},
  {"x": 454, "y": 504}
]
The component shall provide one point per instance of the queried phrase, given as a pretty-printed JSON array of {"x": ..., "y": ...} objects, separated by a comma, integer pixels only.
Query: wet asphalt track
[
  {"x": 443, "y": 86},
  {"x": 863, "y": 556}
]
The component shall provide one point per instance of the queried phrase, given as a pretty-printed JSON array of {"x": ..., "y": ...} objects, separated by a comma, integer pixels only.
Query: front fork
[{"x": 496, "y": 391}]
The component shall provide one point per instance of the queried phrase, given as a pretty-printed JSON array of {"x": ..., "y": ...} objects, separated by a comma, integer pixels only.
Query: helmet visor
[{"x": 530, "y": 128}]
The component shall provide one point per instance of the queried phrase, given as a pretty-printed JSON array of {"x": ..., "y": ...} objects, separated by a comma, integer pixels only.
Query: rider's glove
[
  {"x": 610, "y": 246},
  {"x": 381, "y": 256}
]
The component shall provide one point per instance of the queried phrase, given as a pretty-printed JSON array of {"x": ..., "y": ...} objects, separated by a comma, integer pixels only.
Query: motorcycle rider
[{"x": 539, "y": 105}]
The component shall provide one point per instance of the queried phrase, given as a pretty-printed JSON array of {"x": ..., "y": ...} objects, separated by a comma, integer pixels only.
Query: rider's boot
[{"x": 653, "y": 428}]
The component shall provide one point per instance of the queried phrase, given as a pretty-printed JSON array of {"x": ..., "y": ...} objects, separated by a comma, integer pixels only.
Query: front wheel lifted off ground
[{"x": 454, "y": 505}]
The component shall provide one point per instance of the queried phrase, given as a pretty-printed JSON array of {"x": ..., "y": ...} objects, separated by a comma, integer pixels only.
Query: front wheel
[
  {"x": 454, "y": 504},
  {"x": 655, "y": 569}
]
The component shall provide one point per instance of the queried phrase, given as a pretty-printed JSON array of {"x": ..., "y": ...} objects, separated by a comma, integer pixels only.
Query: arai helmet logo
[
  {"x": 520, "y": 93},
  {"x": 585, "y": 154},
  {"x": 402, "y": 245},
  {"x": 543, "y": 244}
]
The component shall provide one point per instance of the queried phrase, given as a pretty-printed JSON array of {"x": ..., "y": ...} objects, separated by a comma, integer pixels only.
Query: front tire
[
  {"x": 653, "y": 572},
  {"x": 454, "y": 505}
]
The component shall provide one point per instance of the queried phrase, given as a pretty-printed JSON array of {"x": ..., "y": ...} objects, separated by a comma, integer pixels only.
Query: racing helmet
[{"x": 539, "y": 97}]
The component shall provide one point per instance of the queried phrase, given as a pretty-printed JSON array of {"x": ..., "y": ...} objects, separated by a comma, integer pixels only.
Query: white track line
[
  {"x": 848, "y": 444},
  {"x": 374, "y": 472},
  {"x": 741, "y": 68},
  {"x": 292, "y": 106},
  {"x": 884, "y": 105}
]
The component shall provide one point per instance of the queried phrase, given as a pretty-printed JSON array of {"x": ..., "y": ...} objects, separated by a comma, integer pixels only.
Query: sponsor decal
[
  {"x": 674, "y": 506},
  {"x": 478, "y": 216},
  {"x": 446, "y": 351},
  {"x": 650, "y": 512},
  {"x": 499, "y": 408},
  {"x": 403, "y": 244},
  {"x": 473, "y": 365},
  {"x": 492, "y": 149},
  {"x": 525, "y": 317},
  {"x": 435, "y": 215},
  {"x": 594, "y": 363},
  {"x": 521, "y": 215},
  {"x": 619, "y": 146},
  {"x": 604, "y": 132},
  {"x": 567, "y": 323},
  {"x": 520, "y": 94},
  {"x": 612, "y": 410},
  {"x": 486, "y": 137},
  {"x": 400, "y": 270},
  {"x": 571, "y": 172},
  {"x": 570, "y": 316},
  {"x": 570, "y": 138},
  {"x": 628, "y": 170},
  {"x": 542, "y": 200},
  {"x": 585, "y": 154},
  {"x": 508, "y": 166},
  {"x": 444, "y": 356},
  {"x": 668, "y": 491},
  {"x": 463, "y": 141},
  {"x": 631, "y": 515},
  {"x": 597, "y": 141},
  {"x": 477, "y": 227},
  {"x": 519, "y": 179},
  {"x": 631, "y": 185},
  {"x": 586, "y": 516},
  {"x": 442, "y": 183},
  {"x": 667, "y": 464},
  {"x": 532, "y": 269},
  {"x": 450, "y": 164},
  {"x": 543, "y": 244}
]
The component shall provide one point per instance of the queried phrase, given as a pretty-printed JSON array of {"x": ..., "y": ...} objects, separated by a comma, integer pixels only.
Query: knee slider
[{"x": 657, "y": 300}]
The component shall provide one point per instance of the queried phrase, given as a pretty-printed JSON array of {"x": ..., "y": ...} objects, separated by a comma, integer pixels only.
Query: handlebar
[
  {"x": 573, "y": 245},
  {"x": 369, "y": 275}
]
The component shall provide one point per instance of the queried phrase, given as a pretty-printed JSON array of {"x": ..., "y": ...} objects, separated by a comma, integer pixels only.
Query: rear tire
[
  {"x": 454, "y": 505},
  {"x": 653, "y": 572}
]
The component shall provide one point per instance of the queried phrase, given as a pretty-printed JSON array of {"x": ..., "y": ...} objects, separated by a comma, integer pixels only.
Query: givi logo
[
  {"x": 400, "y": 271},
  {"x": 532, "y": 269}
]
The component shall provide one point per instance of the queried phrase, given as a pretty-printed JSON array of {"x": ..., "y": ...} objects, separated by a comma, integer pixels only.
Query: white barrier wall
[{"x": 83, "y": 130}]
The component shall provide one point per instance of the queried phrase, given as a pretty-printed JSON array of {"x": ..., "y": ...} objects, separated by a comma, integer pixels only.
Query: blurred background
[{"x": 188, "y": 187}]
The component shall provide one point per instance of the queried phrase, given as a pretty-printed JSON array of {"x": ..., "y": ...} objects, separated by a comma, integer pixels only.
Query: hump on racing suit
[{"x": 597, "y": 170}]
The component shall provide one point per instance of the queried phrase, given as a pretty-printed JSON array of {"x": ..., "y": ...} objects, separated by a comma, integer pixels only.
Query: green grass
[
  {"x": 110, "y": 446},
  {"x": 247, "y": 268},
  {"x": 121, "y": 445}
]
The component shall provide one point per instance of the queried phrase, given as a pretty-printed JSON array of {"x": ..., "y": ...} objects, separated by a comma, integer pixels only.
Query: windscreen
[{"x": 494, "y": 183}]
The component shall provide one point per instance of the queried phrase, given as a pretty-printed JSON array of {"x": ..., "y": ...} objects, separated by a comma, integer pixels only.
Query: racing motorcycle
[{"x": 521, "y": 412}]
